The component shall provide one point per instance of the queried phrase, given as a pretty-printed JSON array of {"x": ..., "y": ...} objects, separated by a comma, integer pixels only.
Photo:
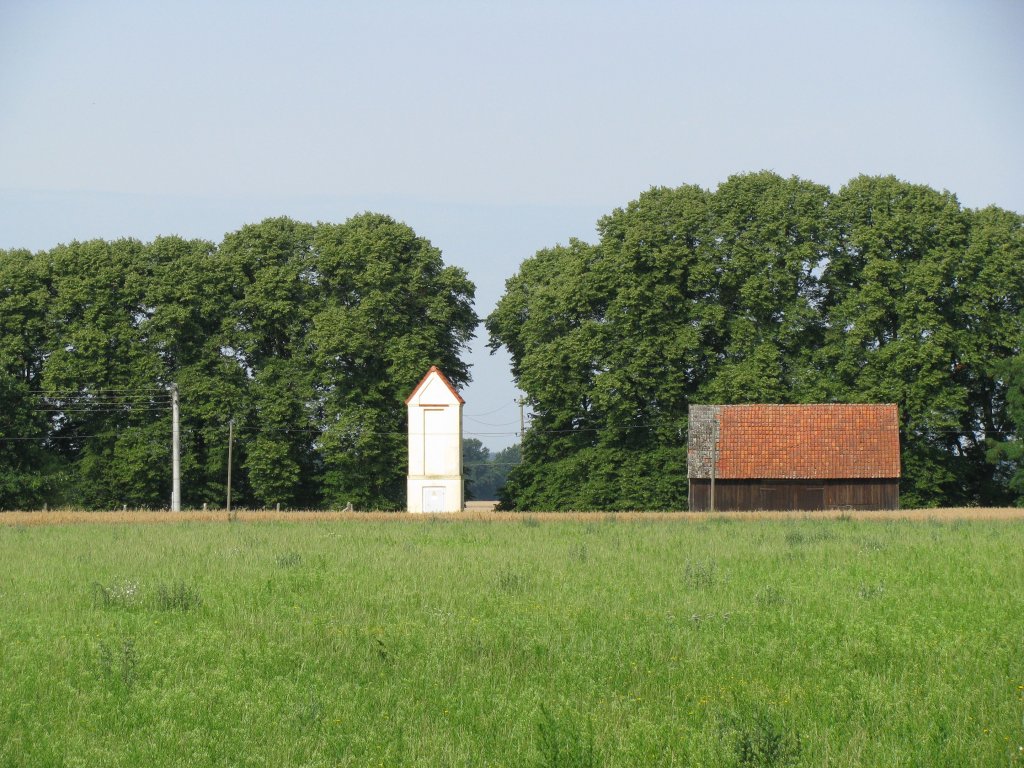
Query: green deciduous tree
[
  {"x": 27, "y": 470},
  {"x": 390, "y": 309},
  {"x": 308, "y": 336},
  {"x": 274, "y": 293},
  {"x": 765, "y": 290},
  {"x": 593, "y": 331},
  {"x": 1006, "y": 453},
  {"x": 103, "y": 380},
  {"x": 189, "y": 302},
  {"x": 686, "y": 295},
  {"x": 921, "y": 307},
  {"x": 769, "y": 239},
  {"x": 989, "y": 290}
]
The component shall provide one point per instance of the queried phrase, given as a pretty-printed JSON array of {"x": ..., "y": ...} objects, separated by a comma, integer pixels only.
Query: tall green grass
[{"x": 767, "y": 643}]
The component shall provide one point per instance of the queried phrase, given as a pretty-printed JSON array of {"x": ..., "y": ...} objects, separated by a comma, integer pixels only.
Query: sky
[{"x": 493, "y": 129}]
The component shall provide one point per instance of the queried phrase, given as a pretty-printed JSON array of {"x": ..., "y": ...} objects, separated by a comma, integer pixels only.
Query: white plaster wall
[
  {"x": 438, "y": 453},
  {"x": 452, "y": 492},
  {"x": 435, "y": 446}
]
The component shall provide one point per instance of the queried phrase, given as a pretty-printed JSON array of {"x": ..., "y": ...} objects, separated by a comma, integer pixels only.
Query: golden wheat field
[{"x": 480, "y": 513}]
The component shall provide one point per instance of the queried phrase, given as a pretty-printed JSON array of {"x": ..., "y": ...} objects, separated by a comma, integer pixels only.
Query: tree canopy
[
  {"x": 307, "y": 336},
  {"x": 765, "y": 290}
]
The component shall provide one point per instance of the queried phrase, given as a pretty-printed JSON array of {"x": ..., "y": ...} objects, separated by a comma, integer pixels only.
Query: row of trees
[
  {"x": 307, "y": 336},
  {"x": 769, "y": 290}
]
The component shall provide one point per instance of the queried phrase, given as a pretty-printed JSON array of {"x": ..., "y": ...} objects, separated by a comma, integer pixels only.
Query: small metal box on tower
[{"x": 435, "y": 445}]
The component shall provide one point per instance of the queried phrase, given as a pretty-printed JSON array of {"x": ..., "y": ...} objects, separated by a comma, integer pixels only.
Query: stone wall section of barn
[{"x": 702, "y": 434}]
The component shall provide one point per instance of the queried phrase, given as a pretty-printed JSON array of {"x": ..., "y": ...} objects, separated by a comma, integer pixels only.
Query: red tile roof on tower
[
  {"x": 444, "y": 380},
  {"x": 808, "y": 441}
]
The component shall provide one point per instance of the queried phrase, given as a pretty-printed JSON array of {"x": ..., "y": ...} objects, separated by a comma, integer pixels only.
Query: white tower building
[{"x": 435, "y": 445}]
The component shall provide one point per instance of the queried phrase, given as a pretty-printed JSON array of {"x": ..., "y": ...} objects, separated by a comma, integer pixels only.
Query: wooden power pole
[
  {"x": 231, "y": 437},
  {"x": 175, "y": 451}
]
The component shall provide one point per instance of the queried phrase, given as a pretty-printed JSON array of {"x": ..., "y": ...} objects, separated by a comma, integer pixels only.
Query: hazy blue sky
[{"x": 493, "y": 129}]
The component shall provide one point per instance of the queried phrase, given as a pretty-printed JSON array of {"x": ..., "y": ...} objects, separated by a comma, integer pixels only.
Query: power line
[
  {"x": 155, "y": 392},
  {"x": 491, "y": 424},
  {"x": 488, "y": 413},
  {"x": 51, "y": 437},
  {"x": 123, "y": 408},
  {"x": 98, "y": 396},
  {"x": 87, "y": 404}
]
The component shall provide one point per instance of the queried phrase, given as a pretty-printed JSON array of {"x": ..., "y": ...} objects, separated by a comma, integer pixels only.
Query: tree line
[
  {"x": 307, "y": 336},
  {"x": 776, "y": 290}
]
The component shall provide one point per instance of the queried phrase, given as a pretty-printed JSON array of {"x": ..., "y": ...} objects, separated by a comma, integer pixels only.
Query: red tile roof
[
  {"x": 808, "y": 441},
  {"x": 444, "y": 380}
]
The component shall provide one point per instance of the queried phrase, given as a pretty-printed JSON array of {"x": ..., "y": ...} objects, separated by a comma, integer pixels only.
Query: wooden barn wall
[{"x": 795, "y": 494}]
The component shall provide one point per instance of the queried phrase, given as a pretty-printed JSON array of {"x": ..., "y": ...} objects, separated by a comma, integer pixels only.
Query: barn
[{"x": 804, "y": 457}]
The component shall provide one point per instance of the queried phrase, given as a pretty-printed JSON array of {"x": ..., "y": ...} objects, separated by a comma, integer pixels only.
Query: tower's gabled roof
[{"x": 434, "y": 374}]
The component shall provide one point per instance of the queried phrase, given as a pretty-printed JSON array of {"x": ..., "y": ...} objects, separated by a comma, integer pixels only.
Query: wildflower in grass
[{"x": 122, "y": 594}]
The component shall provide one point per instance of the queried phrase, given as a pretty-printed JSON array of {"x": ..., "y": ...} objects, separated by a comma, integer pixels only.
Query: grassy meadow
[{"x": 522, "y": 641}]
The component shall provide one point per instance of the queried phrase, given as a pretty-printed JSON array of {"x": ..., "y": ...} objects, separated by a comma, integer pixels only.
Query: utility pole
[
  {"x": 231, "y": 437},
  {"x": 522, "y": 419},
  {"x": 175, "y": 451}
]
